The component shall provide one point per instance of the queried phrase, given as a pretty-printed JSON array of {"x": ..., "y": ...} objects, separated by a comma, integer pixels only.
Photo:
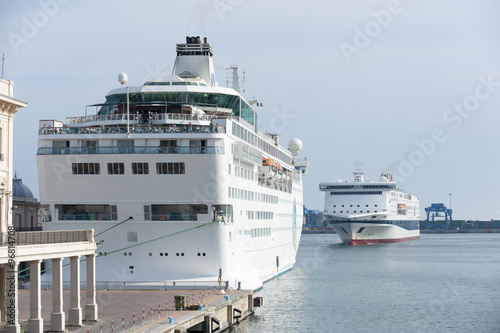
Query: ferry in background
[
  {"x": 366, "y": 212},
  {"x": 180, "y": 186}
]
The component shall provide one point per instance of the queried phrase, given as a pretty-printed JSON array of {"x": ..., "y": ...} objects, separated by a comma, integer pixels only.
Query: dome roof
[{"x": 20, "y": 190}]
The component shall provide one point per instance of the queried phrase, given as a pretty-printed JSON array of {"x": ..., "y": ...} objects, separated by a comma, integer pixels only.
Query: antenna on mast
[{"x": 233, "y": 79}]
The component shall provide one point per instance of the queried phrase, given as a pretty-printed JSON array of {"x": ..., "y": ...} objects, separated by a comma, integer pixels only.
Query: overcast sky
[{"x": 408, "y": 87}]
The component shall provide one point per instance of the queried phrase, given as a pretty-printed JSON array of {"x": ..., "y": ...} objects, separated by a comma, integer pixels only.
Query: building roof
[{"x": 19, "y": 190}]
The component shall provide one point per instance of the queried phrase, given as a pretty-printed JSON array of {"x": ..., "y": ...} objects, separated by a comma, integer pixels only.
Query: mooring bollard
[{"x": 170, "y": 320}]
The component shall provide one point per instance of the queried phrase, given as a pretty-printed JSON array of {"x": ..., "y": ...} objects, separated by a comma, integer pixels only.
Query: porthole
[
  {"x": 130, "y": 253},
  {"x": 199, "y": 254},
  {"x": 125, "y": 253},
  {"x": 150, "y": 254},
  {"x": 177, "y": 254},
  {"x": 182, "y": 254},
  {"x": 166, "y": 254},
  {"x": 204, "y": 254},
  {"x": 161, "y": 254}
]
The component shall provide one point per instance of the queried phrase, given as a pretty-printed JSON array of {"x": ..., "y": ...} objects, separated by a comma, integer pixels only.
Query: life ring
[
  {"x": 220, "y": 280},
  {"x": 99, "y": 217},
  {"x": 163, "y": 217}
]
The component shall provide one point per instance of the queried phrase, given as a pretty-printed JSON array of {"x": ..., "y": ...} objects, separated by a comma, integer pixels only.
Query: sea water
[{"x": 438, "y": 283}]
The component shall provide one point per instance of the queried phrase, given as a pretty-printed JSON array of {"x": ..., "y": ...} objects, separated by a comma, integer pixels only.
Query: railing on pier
[
  {"x": 46, "y": 237},
  {"x": 133, "y": 130},
  {"x": 130, "y": 150}
]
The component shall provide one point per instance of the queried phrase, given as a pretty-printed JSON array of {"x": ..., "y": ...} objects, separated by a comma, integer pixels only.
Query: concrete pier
[{"x": 220, "y": 310}]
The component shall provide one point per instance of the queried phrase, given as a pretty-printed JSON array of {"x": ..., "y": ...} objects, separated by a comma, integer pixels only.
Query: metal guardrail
[
  {"x": 156, "y": 285},
  {"x": 130, "y": 150},
  {"x": 134, "y": 117},
  {"x": 132, "y": 129},
  {"x": 46, "y": 237}
]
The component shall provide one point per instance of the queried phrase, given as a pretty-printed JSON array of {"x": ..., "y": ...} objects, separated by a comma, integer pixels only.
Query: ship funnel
[{"x": 194, "y": 59}]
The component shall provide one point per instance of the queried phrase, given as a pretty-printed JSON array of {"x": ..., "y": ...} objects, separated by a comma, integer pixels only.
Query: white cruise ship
[
  {"x": 366, "y": 212},
  {"x": 178, "y": 183}
]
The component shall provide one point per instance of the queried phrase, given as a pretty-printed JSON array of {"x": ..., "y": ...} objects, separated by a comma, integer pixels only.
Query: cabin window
[
  {"x": 170, "y": 168},
  {"x": 85, "y": 212},
  {"x": 86, "y": 168},
  {"x": 60, "y": 147},
  {"x": 116, "y": 168},
  {"x": 90, "y": 147},
  {"x": 125, "y": 146},
  {"x": 177, "y": 212},
  {"x": 140, "y": 168}
]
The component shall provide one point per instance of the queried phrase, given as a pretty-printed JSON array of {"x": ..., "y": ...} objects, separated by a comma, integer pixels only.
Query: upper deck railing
[
  {"x": 131, "y": 150},
  {"x": 46, "y": 237},
  {"x": 133, "y": 129},
  {"x": 122, "y": 118}
]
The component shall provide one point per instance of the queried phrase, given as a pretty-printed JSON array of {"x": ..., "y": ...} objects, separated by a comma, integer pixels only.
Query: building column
[
  {"x": 91, "y": 305},
  {"x": 57, "y": 318},
  {"x": 11, "y": 302},
  {"x": 75, "y": 310},
  {"x": 35, "y": 323}
]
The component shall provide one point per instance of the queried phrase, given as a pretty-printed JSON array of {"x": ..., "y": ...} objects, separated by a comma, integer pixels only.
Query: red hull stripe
[{"x": 377, "y": 241}]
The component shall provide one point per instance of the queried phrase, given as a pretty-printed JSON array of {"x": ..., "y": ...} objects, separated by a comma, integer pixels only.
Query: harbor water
[{"x": 438, "y": 283}]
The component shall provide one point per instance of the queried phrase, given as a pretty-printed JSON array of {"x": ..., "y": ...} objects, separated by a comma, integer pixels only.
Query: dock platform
[{"x": 154, "y": 310}]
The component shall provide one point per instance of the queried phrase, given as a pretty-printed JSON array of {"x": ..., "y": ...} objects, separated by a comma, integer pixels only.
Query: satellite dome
[
  {"x": 295, "y": 146},
  {"x": 122, "y": 78}
]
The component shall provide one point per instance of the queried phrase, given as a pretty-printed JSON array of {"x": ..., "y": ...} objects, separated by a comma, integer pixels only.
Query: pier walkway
[{"x": 152, "y": 309}]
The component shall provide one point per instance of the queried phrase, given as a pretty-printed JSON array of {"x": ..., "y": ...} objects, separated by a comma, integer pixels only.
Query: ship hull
[{"x": 359, "y": 232}]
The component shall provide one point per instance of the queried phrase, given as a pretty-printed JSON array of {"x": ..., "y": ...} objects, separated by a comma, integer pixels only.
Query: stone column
[
  {"x": 35, "y": 323},
  {"x": 11, "y": 303},
  {"x": 75, "y": 310},
  {"x": 91, "y": 305},
  {"x": 57, "y": 318}
]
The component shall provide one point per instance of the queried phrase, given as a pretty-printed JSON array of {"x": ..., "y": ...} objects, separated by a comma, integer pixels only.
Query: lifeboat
[{"x": 270, "y": 167}]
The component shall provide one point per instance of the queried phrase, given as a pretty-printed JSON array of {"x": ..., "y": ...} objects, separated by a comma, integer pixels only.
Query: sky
[{"x": 410, "y": 87}]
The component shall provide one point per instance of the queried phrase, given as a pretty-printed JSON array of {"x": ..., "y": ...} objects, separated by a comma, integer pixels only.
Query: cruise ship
[
  {"x": 178, "y": 182},
  {"x": 367, "y": 212}
]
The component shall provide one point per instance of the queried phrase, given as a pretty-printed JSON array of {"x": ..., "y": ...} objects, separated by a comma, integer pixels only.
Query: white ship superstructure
[
  {"x": 364, "y": 212},
  {"x": 178, "y": 183}
]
